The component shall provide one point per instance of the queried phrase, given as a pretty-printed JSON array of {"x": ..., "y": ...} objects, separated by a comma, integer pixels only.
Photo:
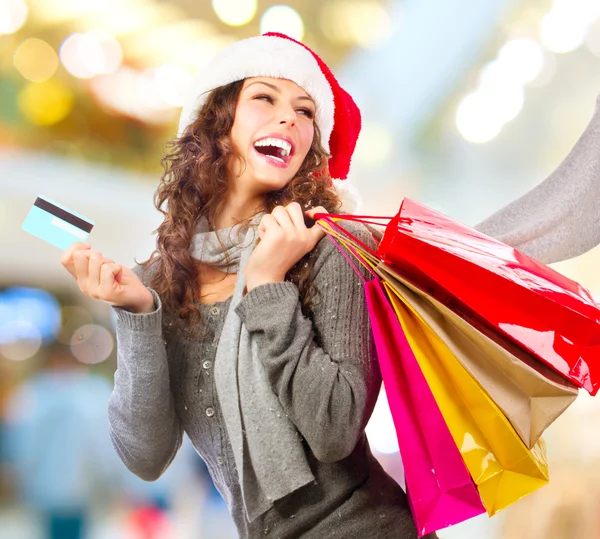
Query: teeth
[{"x": 285, "y": 146}]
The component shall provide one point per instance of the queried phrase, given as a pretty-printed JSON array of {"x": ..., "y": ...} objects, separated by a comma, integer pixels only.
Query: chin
[
  {"x": 268, "y": 187},
  {"x": 273, "y": 182}
]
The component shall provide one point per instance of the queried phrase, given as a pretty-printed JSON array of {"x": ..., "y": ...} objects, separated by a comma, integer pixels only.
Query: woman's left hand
[{"x": 284, "y": 239}]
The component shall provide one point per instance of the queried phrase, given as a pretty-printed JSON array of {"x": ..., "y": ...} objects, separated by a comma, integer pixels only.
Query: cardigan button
[
  {"x": 210, "y": 411},
  {"x": 207, "y": 364},
  {"x": 214, "y": 311}
]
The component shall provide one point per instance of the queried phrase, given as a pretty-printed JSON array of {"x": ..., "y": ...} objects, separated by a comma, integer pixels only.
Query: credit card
[{"x": 56, "y": 224}]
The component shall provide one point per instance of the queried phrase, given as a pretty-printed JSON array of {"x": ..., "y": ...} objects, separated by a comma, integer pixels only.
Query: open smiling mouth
[{"x": 276, "y": 151}]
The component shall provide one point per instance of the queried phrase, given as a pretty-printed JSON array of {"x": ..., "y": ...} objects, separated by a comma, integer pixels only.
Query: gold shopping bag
[{"x": 530, "y": 394}]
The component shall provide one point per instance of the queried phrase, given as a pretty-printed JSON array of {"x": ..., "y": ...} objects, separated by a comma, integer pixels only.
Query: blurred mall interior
[{"x": 466, "y": 105}]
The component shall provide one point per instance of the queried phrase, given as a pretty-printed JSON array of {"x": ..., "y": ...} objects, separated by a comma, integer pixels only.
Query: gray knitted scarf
[{"x": 268, "y": 452}]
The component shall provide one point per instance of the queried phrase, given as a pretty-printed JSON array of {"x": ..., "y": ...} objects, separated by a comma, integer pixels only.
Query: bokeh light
[
  {"x": 28, "y": 316},
  {"x": 503, "y": 101},
  {"x": 112, "y": 51},
  {"x": 282, "y": 19},
  {"x": 90, "y": 54},
  {"x": 13, "y": 15},
  {"x": 585, "y": 12},
  {"x": 560, "y": 32},
  {"x": 547, "y": 72},
  {"x": 362, "y": 22},
  {"x": 235, "y": 12},
  {"x": 134, "y": 94},
  {"x": 128, "y": 17},
  {"x": 171, "y": 83},
  {"x": 476, "y": 120},
  {"x": 46, "y": 103},
  {"x": 380, "y": 429},
  {"x": 34, "y": 306},
  {"x": 35, "y": 60},
  {"x": 500, "y": 95},
  {"x": 19, "y": 340},
  {"x": 147, "y": 86},
  {"x": 91, "y": 344},
  {"x": 72, "y": 318},
  {"x": 81, "y": 55},
  {"x": 521, "y": 59}
]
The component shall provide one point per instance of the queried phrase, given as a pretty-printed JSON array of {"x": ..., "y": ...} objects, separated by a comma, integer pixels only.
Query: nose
[{"x": 288, "y": 116}]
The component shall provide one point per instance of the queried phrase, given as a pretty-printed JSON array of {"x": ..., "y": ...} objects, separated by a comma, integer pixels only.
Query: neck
[{"x": 238, "y": 207}]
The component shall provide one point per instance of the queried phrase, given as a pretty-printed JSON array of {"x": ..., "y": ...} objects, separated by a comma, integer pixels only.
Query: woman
[{"x": 260, "y": 351}]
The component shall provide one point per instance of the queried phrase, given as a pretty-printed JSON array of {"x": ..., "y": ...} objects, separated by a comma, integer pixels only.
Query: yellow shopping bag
[{"x": 501, "y": 465}]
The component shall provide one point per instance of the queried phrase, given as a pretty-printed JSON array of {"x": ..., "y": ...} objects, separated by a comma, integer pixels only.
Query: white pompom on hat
[{"x": 279, "y": 56}]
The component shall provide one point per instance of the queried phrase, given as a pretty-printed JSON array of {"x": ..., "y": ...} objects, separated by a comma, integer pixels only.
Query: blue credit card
[{"x": 56, "y": 224}]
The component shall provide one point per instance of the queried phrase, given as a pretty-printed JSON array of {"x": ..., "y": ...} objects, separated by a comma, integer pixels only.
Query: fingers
[
  {"x": 109, "y": 273},
  {"x": 93, "y": 272},
  {"x": 290, "y": 218},
  {"x": 81, "y": 267},
  {"x": 95, "y": 264},
  {"x": 268, "y": 224},
  {"x": 313, "y": 211},
  {"x": 316, "y": 232},
  {"x": 66, "y": 258},
  {"x": 289, "y": 221},
  {"x": 296, "y": 214},
  {"x": 284, "y": 220}
]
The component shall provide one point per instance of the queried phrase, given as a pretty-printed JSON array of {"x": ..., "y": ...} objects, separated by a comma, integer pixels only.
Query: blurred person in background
[
  {"x": 57, "y": 445},
  {"x": 254, "y": 340},
  {"x": 559, "y": 218}
]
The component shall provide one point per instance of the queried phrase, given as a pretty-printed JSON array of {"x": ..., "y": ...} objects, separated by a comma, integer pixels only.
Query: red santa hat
[{"x": 279, "y": 56}]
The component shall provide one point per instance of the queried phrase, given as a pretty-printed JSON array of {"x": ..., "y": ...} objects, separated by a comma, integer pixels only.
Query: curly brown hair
[{"x": 194, "y": 185}]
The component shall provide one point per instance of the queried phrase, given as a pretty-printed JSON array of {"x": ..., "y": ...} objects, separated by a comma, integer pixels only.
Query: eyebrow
[{"x": 276, "y": 89}]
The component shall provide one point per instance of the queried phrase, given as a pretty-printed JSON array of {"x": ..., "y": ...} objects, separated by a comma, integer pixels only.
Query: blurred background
[{"x": 466, "y": 105}]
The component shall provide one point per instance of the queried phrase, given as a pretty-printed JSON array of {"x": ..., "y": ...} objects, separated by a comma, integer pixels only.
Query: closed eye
[
  {"x": 265, "y": 97},
  {"x": 307, "y": 112}
]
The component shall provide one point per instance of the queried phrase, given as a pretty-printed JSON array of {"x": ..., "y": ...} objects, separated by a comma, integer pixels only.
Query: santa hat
[{"x": 279, "y": 56}]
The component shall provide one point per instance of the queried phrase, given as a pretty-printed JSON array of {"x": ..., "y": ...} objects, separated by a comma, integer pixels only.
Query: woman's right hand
[{"x": 103, "y": 279}]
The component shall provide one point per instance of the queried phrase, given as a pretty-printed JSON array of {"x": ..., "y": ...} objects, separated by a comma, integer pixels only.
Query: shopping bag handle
[
  {"x": 366, "y": 219},
  {"x": 336, "y": 242},
  {"x": 329, "y": 219}
]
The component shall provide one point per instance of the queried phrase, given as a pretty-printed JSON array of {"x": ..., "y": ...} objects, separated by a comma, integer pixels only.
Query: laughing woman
[{"x": 245, "y": 329}]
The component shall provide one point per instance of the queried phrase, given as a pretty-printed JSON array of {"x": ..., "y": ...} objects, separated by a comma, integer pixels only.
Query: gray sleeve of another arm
[{"x": 559, "y": 219}]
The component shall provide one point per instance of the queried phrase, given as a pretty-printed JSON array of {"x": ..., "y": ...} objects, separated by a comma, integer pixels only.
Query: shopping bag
[
  {"x": 501, "y": 465},
  {"x": 537, "y": 308},
  {"x": 440, "y": 490},
  {"x": 530, "y": 394},
  {"x": 439, "y": 487}
]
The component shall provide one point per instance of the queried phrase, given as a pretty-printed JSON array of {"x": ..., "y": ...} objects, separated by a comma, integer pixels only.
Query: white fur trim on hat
[
  {"x": 263, "y": 56},
  {"x": 349, "y": 195}
]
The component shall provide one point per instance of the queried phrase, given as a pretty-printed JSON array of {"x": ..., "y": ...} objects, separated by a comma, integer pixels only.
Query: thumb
[{"x": 316, "y": 233}]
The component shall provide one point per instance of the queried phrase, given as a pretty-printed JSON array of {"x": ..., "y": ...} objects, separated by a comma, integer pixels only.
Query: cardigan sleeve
[
  {"x": 559, "y": 218},
  {"x": 144, "y": 427},
  {"x": 324, "y": 372}
]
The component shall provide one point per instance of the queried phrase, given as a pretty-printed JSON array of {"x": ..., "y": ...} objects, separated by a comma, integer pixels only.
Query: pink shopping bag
[{"x": 439, "y": 487}]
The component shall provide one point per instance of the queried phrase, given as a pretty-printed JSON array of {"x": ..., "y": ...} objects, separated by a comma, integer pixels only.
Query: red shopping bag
[
  {"x": 439, "y": 486},
  {"x": 493, "y": 285}
]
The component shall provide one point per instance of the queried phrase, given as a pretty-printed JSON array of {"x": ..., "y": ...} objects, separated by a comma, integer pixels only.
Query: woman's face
[{"x": 272, "y": 131}]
